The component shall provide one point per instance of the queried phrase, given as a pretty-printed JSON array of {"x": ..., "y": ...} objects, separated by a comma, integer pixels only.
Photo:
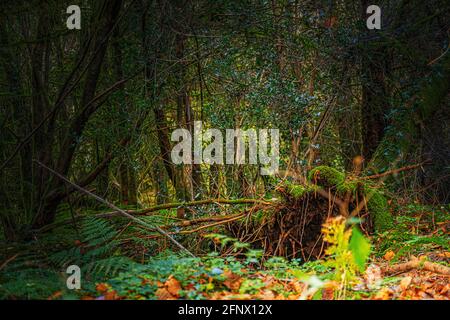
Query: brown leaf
[
  {"x": 55, "y": 295},
  {"x": 163, "y": 294},
  {"x": 173, "y": 286},
  {"x": 384, "y": 294},
  {"x": 389, "y": 255},
  {"x": 327, "y": 293},
  {"x": 111, "y": 295},
  {"x": 373, "y": 276},
  {"x": 405, "y": 282},
  {"x": 298, "y": 286},
  {"x": 267, "y": 295},
  {"x": 102, "y": 287},
  {"x": 233, "y": 281}
]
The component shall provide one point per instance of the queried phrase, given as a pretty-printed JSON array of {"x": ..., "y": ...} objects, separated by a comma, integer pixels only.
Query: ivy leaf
[{"x": 360, "y": 248}]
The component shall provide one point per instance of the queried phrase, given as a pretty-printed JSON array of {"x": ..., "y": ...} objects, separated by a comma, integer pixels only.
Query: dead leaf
[
  {"x": 389, "y": 255},
  {"x": 55, "y": 295},
  {"x": 102, "y": 287},
  {"x": 298, "y": 286},
  {"x": 373, "y": 276},
  {"x": 233, "y": 281},
  {"x": 267, "y": 295},
  {"x": 405, "y": 282},
  {"x": 384, "y": 294},
  {"x": 173, "y": 286},
  {"x": 111, "y": 295},
  {"x": 163, "y": 294},
  {"x": 328, "y": 293}
]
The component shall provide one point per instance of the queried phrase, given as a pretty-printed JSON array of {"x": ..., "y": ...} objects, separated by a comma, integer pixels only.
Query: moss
[
  {"x": 331, "y": 175},
  {"x": 378, "y": 209},
  {"x": 297, "y": 191},
  {"x": 328, "y": 177},
  {"x": 377, "y": 204}
]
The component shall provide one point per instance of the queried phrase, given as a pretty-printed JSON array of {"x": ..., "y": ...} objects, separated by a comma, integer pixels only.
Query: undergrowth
[{"x": 117, "y": 257}]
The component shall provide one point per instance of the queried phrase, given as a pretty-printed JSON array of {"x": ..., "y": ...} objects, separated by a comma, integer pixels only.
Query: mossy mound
[
  {"x": 332, "y": 179},
  {"x": 293, "y": 229},
  {"x": 377, "y": 206},
  {"x": 328, "y": 177}
]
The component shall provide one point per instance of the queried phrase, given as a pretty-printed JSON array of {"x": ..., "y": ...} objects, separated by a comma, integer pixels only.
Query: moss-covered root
[
  {"x": 377, "y": 205},
  {"x": 329, "y": 177},
  {"x": 378, "y": 209},
  {"x": 297, "y": 191}
]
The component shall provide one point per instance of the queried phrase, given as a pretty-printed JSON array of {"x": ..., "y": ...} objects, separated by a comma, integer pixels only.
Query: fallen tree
[{"x": 290, "y": 225}]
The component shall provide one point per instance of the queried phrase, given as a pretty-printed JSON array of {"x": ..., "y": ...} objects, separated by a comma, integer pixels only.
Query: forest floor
[{"x": 408, "y": 262}]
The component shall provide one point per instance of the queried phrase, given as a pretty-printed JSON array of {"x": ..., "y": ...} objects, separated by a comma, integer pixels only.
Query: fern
[{"x": 98, "y": 253}]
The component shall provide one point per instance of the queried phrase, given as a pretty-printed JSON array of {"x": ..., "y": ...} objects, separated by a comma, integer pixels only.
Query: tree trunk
[{"x": 46, "y": 210}]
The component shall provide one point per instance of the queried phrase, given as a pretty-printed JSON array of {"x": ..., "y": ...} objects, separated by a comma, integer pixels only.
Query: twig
[
  {"x": 117, "y": 209},
  {"x": 8, "y": 261},
  {"x": 394, "y": 171}
]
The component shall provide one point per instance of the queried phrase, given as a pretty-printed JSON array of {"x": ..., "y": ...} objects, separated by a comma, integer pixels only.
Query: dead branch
[
  {"x": 8, "y": 261},
  {"x": 417, "y": 264},
  {"x": 148, "y": 210},
  {"x": 117, "y": 209},
  {"x": 394, "y": 171},
  {"x": 198, "y": 203},
  {"x": 188, "y": 223}
]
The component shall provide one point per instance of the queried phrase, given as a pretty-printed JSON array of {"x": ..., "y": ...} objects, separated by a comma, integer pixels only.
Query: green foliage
[
  {"x": 99, "y": 253},
  {"x": 331, "y": 176},
  {"x": 405, "y": 238},
  {"x": 360, "y": 248},
  {"x": 30, "y": 283},
  {"x": 40, "y": 270},
  {"x": 348, "y": 250}
]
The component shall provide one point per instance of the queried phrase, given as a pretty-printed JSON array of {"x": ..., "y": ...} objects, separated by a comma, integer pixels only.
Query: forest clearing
[{"x": 224, "y": 150}]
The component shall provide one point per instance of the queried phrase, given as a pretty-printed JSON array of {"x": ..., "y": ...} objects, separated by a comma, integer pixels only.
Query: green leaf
[{"x": 360, "y": 248}]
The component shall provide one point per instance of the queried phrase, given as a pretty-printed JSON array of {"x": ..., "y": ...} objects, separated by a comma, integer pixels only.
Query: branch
[
  {"x": 117, "y": 209},
  {"x": 394, "y": 171},
  {"x": 184, "y": 223},
  {"x": 417, "y": 264},
  {"x": 198, "y": 203}
]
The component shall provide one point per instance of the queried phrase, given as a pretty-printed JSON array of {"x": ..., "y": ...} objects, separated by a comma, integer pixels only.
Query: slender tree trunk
[
  {"x": 375, "y": 93},
  {"x": 46, "y": 210}
]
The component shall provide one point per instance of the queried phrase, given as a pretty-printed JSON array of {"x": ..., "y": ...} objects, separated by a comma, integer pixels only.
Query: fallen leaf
[
  {"x": 267, "y": 295},
  {"x": 233, "y": 281},
  {"x": 405, "y": 282},
  {"x": 384, "y": 294},
  {"x": 163, "y": 294},
  {"x": 111, "y": 295},
  {"x": 173, "y": 286},
  {"x": 389, "y": 255},
  {"x": 102, "y": 287},
  {"x": 298, "y": 286},
  {"x": 327, "y": 293},
  {"x": 56, "y": 295},
  {"x": 373, "y": 276}
]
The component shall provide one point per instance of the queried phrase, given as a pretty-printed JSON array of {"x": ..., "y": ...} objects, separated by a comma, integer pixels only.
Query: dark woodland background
[{"x": 98, "y": 105}]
